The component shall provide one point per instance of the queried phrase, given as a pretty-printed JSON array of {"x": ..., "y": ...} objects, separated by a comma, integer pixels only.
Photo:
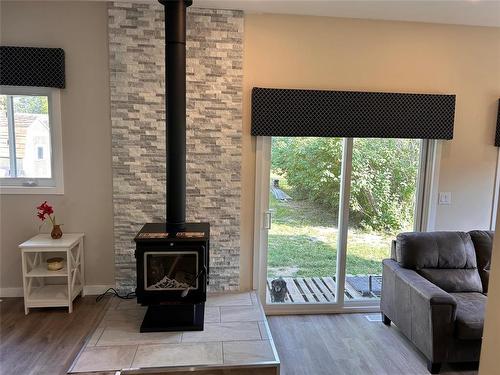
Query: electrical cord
[{"x": 113, "y": 292}]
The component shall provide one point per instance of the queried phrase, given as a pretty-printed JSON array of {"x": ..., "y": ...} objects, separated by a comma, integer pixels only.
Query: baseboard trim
[
  {"x": 94, "y": 290},
  {"x": 11, "y": 292},
  {"x": 87, "y": 289}
]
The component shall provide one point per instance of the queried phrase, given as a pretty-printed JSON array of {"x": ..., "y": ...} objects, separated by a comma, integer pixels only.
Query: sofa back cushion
[
  {"x": 483, "y": 244},
  {"x": 447, "y": 259},
  {"x": 417, "y": 250},
  {"x": 458, "y": 280}
]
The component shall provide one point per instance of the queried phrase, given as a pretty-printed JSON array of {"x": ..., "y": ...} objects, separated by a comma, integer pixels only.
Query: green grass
[{"x": 303, "y": 242}]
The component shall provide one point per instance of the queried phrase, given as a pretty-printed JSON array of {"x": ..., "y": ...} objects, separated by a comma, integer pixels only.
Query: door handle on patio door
[{"x": 269, "y": 219}]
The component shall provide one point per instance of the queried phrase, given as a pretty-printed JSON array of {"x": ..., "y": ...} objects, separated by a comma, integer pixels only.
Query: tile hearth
[{"x": 236, "y": 336}]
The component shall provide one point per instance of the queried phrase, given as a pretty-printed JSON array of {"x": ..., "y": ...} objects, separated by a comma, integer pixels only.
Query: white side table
[{"x": 35, "y": 251}]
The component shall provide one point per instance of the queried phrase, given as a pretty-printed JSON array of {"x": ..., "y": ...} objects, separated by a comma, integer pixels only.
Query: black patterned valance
[
  {"x": 29, "y": 66},
  {"x": 497, "y": 136},
  {"x": 321, "y": 113}
]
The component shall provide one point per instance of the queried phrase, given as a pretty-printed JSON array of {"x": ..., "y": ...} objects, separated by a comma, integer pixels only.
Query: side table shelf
[
  {"x": 42, "y": 271},
  {"x": 34, "y": 255},
  {"x": 51, "y": 295}
]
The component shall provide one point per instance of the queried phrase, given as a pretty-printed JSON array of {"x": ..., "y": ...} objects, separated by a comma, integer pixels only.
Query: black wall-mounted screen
[
  {"x": 321, "y": 113},
  {"x": 497, "y": 136},
  {"x": 30, "y": 66}
]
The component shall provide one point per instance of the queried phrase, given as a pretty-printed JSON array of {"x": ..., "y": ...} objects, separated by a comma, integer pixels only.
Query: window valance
[
  {"x": 30, "y": 66},
  {"x": 322, "y": 113}
]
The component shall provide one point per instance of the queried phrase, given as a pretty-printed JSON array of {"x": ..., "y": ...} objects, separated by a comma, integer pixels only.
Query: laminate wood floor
[
  {"x": 47, "y": 340},
  {"x": 347, "y": 344}
]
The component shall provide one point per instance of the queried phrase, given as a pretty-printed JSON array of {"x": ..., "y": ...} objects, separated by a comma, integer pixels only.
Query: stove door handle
[{"x": 190, "y": 284}]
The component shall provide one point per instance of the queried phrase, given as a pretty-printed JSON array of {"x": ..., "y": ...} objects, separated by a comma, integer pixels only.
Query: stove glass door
[{"x": 175, "y": 270}]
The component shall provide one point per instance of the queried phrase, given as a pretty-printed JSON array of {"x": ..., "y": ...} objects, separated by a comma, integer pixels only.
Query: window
[
  {"x": 326, "y": 210},
  {"x": 305, "y": 198},
  {"x": 40, "y": 152},
  {"x": 30, "y": 141}
]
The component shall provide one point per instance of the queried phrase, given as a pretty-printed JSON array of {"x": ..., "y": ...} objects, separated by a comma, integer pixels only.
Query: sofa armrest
[
  {"x": 422, "y": 311},
  {"x": 429, "y": 291}
]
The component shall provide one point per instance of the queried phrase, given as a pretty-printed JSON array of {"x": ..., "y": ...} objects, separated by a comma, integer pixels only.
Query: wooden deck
[{"x": 315, "y": 290}]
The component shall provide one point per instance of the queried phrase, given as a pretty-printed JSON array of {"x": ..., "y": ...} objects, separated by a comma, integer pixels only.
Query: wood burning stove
[
  {"x": 172, "y": 258},
  {"x": 172, "y": 275}
]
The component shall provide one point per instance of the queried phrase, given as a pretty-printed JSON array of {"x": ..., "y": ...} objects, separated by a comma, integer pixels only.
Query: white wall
[{"x": 80, "y": 28}]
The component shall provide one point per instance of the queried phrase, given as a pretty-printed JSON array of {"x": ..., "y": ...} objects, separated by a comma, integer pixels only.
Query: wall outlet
[{"x": 444, "y": 197}]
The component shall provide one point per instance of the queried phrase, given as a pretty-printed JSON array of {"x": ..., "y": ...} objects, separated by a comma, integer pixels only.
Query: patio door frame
[{"x": 426, "y": 197}]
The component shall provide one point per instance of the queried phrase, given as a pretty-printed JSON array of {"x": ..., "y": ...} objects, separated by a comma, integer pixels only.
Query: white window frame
[
  {"x": 427, "y": 187},
  {"x": 429, "y": 181},
  {"x": 55, "y": 184}
]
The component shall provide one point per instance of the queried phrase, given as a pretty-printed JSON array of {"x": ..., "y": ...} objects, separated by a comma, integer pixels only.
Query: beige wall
[
  {"x": 342, "y": 54},
  {"x": 81, "y": 30},
  {"x": 279, "y": 51}
]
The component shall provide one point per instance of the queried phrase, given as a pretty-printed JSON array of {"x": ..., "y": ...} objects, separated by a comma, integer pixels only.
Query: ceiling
[{"x": 458, "y": 12}]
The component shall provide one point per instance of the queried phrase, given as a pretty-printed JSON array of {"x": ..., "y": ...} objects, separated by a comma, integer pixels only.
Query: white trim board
[
  {"x": 262, "y": 176},
  {"x": 431, "y": 188},
  {"x": 92, "y": 290},
  {"x": 95, "y": 290},
  {"x": 307, "y": 309},
  {"x": 496, "y": 187},
  {"x": 11, "y": 292}
]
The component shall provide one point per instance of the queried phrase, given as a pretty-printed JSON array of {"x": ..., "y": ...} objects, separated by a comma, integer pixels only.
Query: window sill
[{"x": 14, "y": 190}]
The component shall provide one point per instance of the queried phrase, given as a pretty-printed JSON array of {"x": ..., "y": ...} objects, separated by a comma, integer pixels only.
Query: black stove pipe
[{"x": 175, "y": 102}]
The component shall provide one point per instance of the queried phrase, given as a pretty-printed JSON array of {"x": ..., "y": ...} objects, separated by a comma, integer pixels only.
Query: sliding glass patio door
[
  {"x": 382, "y": 202},
  {"x": 303, "y": 219},
  {"x": 326, "y": 212}
]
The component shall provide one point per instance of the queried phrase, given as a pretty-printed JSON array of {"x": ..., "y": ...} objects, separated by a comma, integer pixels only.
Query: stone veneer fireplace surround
[{"x": 214, "y": 126}]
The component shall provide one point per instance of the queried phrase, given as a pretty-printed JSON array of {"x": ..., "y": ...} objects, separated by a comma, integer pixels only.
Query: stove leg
[{"x": 174, "y": 317}]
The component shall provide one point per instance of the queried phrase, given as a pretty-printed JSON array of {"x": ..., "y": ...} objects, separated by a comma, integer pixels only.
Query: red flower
[
  {"x": 45, "y": 208},
  {"x": 42, "y": 206},
  {"x": 44, "y": 212}
]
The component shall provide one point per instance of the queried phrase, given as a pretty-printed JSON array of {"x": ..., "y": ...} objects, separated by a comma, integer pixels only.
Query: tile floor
[{"x": 236, "y": 334}]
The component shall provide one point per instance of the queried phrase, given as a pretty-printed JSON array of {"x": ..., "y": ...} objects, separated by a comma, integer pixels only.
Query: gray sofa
[{"x": 434, "y": 289}]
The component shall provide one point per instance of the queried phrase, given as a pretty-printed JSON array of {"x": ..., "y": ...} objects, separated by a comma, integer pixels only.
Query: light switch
[{"x": 445, "y": 197}]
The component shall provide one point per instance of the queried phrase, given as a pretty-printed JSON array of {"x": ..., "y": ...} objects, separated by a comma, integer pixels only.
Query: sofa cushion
[
  {"x": 417, "y": 250},
  {"x": 483, "y": 244},
  {"x": 447, "y": 259},
  {"x": 454, "y": 280},
  {"x": 470, "y": 315}
]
